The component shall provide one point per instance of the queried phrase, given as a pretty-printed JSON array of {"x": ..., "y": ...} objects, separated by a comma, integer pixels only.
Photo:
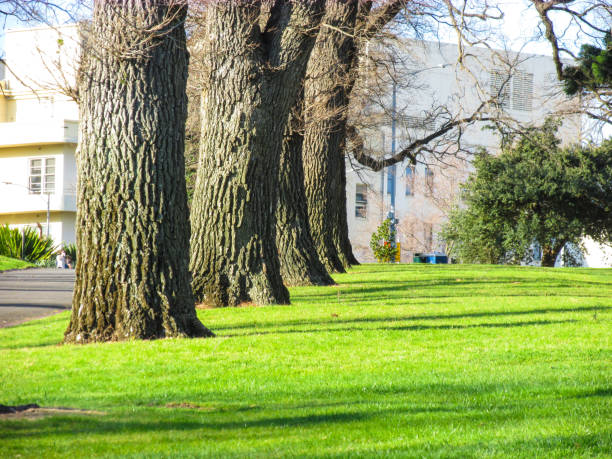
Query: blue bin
[{"x": 434, "y": 259}]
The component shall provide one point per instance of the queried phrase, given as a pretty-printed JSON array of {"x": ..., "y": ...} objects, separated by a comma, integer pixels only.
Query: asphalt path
[{"x": 27, "y": 294}]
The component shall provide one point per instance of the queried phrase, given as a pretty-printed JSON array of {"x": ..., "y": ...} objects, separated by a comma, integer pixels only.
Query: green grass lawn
[
  {"x": 12, "y": 263},
  {"x": 397, "y": 360}
]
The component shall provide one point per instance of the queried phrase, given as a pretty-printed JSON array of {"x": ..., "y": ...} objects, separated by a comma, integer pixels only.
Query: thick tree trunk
[
  {"x": 326, "y": 101},
  {"x": 132, "y": 277},
  {"x": 300, "y": 263},
  {"x": 254, "y": 79}
]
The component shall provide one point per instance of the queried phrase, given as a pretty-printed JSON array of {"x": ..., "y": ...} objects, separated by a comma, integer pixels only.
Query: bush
[
  {"x": 381, "y": 243},
  {"x": 36, "y": 248}
]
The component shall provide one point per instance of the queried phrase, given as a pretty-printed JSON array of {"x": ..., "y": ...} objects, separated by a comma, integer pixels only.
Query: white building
[
  {"x": 38, "y": 131},
  {"x": 424, "y": 193}
]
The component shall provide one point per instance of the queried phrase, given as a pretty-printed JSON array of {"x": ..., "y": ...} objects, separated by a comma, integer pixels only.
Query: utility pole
[{"x": 391, "y": 181}]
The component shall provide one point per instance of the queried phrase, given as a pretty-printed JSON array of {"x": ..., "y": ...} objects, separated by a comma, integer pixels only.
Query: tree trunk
[
  {"x": 326, "y": 101},
  {"x": 132, "y": 277},
  {"x": 331, "y": 77},
  {"x": 254, "y": 79},
  {"x": 300, "y": 263},
  {"x": 343, "y": 243},
  {"x": 550, "y": 254}
]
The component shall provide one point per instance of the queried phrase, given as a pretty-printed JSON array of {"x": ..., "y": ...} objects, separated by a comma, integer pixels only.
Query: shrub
[
  {"x": 381, "y": 243},
  {"x": 71, "y": 251},
  {"x": 35, "y": 248}
]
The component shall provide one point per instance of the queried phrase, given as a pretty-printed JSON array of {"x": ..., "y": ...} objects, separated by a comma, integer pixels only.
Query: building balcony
[
  {"x": 18, "y": 202},
  {"x": 40, "y": 133}
]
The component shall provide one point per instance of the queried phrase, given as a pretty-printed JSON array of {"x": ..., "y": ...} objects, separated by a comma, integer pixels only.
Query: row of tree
[
  {"x": 261, "y": 153},
  {"x": 269, "y": 206}
]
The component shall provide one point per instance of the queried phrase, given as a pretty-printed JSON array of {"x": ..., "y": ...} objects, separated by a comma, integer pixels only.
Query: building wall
[
  {"x": 39, "y": 121},
  {"x": 61, "y": 227},
  {"x": 597, "y": 255},
  {"x": 435, "y": 83}
]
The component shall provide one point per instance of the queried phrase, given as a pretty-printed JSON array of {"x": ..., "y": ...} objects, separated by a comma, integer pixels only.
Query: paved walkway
[{"x": 28, "y": 294}]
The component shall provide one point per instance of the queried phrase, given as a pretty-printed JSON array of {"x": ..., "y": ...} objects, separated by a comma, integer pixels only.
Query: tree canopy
[
  {"x": 534, "y": 193},
  {"x": 594, "y": 69}
]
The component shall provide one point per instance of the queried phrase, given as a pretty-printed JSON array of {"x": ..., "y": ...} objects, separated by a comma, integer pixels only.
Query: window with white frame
[
  {"x": 42, "y": 175},
  {"x": 361, "y": 200}
]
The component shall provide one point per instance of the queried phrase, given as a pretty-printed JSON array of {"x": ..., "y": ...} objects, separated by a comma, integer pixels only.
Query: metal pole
[
  {"x": 393, "y": 127},
  {"x": 48, "y": 214},
  {"x": 392, "y": 169}
]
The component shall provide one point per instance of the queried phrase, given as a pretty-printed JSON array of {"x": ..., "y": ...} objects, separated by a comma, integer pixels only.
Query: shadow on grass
[
  {"x": 511, "y": 282},
  {"x": 468, "y": 315},
  {"x": 429, "y": 289},
  {"x": 214, "y": 423},
  {"x": 263, "y": 429},
  {"x": 603, "y": 392},
  {"x": 401, "y": 328},
  {"x": 577, "y": 445}
]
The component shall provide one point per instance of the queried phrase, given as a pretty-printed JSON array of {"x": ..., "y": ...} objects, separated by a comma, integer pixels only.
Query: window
[
  {"x": 537, "y": 251},
  {"x": 42, "y": 175},
  {"x": 512, "y": 91},
  {"x": 410, "y": 181},
  {"x": 429, "y": 180},
  {"x": 361, "y": 200}
]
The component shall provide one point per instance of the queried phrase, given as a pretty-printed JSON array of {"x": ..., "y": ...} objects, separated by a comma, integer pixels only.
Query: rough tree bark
[
  {"x": 325, "y": 105},
  {"x": 132, "y": 277},
  {"x": 300, "y": 263},
  {"x": 331, "y": 76},
  {"x": 254, "y": 79}
]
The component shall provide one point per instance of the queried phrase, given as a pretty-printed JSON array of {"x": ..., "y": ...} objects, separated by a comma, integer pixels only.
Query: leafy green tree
[
  {"x": 382, "y": 242},
  {"x": 533, "y": 192},
  {"x": 594, "y": 69}
]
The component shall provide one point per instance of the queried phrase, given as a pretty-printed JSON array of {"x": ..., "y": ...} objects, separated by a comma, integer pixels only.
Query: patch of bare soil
[
  {"x": 34, "y": 411},
  {"x": 192, "y": 406}
]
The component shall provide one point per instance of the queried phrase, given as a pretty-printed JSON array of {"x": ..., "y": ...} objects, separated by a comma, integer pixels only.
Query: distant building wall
[
  {"x": 424, "y": 193},
  {"x": 39, "y": 131}
]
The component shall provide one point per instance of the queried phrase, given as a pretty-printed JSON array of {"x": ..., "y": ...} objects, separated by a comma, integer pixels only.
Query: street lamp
[{"x": 48, "y": 201}]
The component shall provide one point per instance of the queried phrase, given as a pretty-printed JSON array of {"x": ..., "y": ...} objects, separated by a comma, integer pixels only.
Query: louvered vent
[
  {"x": 500, "y": 87},
  {"x": 514, "y": 92},
  {"x": 522, "y": 91}
]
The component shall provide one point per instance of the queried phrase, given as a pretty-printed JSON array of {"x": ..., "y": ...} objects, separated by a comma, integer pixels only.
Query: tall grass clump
[{"x": 26, "y": 245}]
